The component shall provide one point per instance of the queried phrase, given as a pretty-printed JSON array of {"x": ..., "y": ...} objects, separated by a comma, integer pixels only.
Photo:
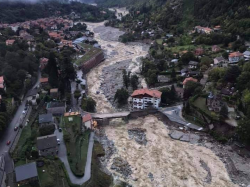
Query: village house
[
  {"x": 47, "y": 145},
  {"x": 184, "y": 72},
  {"x": 199, "y": 51},
  {"x": 163, "y": 79},
  {"x": 43, "y": 63},
  {"x": 87, "y": 121},
  {"x": 56, "y": 108},
  {"x": 32, "y": 96},
  {"x": 45, "y": 119},
  {"x": 214, "y": 102},
  {"x": 219, "y": 61},
  {"x": 44, "y": 81},
  {"x": 2, "y": 171},
  {"x": 26, "y": 173},
  {"x": 192, "y": 65},
  {"x": 217, "y": 28},
  {"x": 216, "y": 48},
  {"x": 2, "y": 84},
  {"x": 247, "y": 55},
  {"x": 145, "y": 98},
  {"x": 235, "y": 57},
  {"x": 188, "y": 79},
  {"x": 227, "y": 91},
  {"x": 203, "y": 30},
  {"x": 9, "y": 42},
  {"x": 54, "y": 93}
]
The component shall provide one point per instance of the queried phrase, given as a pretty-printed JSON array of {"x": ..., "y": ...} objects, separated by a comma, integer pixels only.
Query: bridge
[{"x": 110, "y": 115}]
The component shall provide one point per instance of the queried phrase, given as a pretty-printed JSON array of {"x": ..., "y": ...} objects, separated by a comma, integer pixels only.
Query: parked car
[
  {"x": 24, "y": 112},
  {"x": 60, "y": 129},
  {"x": 8, "y": 142},
  {"x": 15, "y": 129},
  {"x": 58, "y": 142}
]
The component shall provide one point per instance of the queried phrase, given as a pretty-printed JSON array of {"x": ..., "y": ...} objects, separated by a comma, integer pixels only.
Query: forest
[{"x": 20, "y": 12}]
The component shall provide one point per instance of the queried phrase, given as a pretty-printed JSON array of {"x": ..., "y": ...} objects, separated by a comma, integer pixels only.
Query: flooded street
[{"x": 115, "y": 51}]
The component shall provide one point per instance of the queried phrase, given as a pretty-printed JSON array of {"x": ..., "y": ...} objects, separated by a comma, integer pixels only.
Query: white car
[
  {"x": 24, "y": 112},
  {"x": 58, "y": 142}
]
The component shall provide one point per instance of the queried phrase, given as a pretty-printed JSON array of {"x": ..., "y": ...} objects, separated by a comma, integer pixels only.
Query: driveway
[
  {"x": 175, "y": 114},
  {"x": 10, "y": 134},
  {"x": 62, "y": 154}
]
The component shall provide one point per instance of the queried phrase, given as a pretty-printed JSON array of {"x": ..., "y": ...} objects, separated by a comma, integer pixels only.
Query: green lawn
[
  {"x": 90, "y": 52},
  {"x": 159, "y": 41},
  {"x": 191, "y": 47},
  {"x": 200, "y": 102},
  {"x": 77, "y": 146}
]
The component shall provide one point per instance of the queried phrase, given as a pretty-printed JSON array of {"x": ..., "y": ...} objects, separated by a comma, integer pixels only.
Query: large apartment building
[{"x": 145, "y": 98}]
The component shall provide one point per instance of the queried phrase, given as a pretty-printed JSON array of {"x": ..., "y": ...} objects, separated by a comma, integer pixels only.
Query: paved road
[
  {"x": 10, "y": 134},
  {"x": 111, "y": 115},
  {"x": 175, "y": 114},
  {"x": 62, "y": 154}
]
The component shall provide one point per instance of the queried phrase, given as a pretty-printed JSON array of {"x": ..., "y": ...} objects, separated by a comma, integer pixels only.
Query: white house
[
  {"x": 247, "y": 54},
  {"x": 87, "y": 121},
  {"x": 219, "y": 60},
  {"x": 235, "y": 57},
  {"x": 145, "y": 98}
]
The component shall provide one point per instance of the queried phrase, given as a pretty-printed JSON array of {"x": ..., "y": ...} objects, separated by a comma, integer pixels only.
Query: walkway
[
  {"x": 174, "y": 114},
  {"x": 62, "y": 154},
  {"x": 111, "y": 115}
]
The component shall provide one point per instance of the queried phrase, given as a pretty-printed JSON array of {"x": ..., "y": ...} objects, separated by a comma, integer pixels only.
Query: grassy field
[
  {"x": 98, "y": 178},
  {"x": 90, "y": 52},
  {"x": 77, "y": 146},
  {"x": 201, "y": 103}
]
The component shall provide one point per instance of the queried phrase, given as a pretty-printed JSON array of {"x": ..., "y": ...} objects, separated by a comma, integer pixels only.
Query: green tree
[
  {"x": 243, "y": 130},
  {"x": 77, "y": 94},
  {"x": 47, "y": 129},
  {"x": 192, "y": 88},
  {"x": 126, "y": 78},
  {"x": 88, "y": 104},
  {"x": 134, "y": 81},
  {"x": 121, "y": 96},
  {"x": 224, "y": 111}
]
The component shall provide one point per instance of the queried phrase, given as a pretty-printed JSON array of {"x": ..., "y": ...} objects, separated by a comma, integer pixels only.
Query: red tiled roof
[
  {"x": 44, "y": 80},
  {"x": 235, "y": 54},
  {"x": 1, "y": 79},
  {"x": 86, "y": 118},
  {"x": 189, "y": 79},
  {"x": 153, "y": 93}
]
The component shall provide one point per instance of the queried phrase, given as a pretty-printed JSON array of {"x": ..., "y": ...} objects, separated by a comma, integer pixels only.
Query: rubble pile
[
  {"x": 121, "y": 166},
  {"x": 139, "y": 135}
]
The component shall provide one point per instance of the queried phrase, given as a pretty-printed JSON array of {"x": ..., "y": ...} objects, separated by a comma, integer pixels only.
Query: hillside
[{"x": 184, "y": 14}]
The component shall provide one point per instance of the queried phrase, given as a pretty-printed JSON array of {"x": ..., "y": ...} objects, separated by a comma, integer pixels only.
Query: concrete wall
[
  {"x": 86, "y": 67},
  {"x": 142, "y": 113}
]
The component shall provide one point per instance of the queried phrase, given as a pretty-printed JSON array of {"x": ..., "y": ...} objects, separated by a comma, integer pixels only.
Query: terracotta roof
[
  {"x": 189, "y": 79},
  {"x": 86, "y": 118},
  {"x": 71, "y": 114},
  {"x": 44, "y": 80},
  {"x": 153, "y": 93},
  {"x": 1, "y": 79},
  {"x": 54, "y": 90},
  {"x": 235, "y": 54}
]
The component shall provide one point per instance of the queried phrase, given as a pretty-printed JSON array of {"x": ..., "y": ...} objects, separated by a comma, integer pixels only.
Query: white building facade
[{"x": 144, "y": 99}]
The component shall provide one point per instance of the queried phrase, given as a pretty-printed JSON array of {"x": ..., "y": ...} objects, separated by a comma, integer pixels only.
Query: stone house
[
  {"x": 45, "y": 119},
  {"x": 216, "y": 48},
  {"x": 26, "y": 173},
  {"x": 214, "y": 102},
  {"x": 87, "y": 121},
  {"x": 56, "y": 108},
  {"x": 219, "y": 61},
  {"x": 47, "y": 145}
]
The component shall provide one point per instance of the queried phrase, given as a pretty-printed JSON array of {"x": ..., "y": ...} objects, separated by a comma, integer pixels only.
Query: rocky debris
[
  {"x": 121, "y": 166},
  {"x": 108, "y": 33},
  {"x": 138, "y": 135},
  {"x": 208, "y": 178},
  {"x": 113, "y": 81},
  {"x": 185, "y": 137},
  {"x": 151, "y": 176}
]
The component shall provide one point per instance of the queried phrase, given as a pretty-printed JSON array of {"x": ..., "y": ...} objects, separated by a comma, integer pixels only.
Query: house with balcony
[
  {"x": 145, "y": 99},
  {"x": 235, "y": 57}
]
